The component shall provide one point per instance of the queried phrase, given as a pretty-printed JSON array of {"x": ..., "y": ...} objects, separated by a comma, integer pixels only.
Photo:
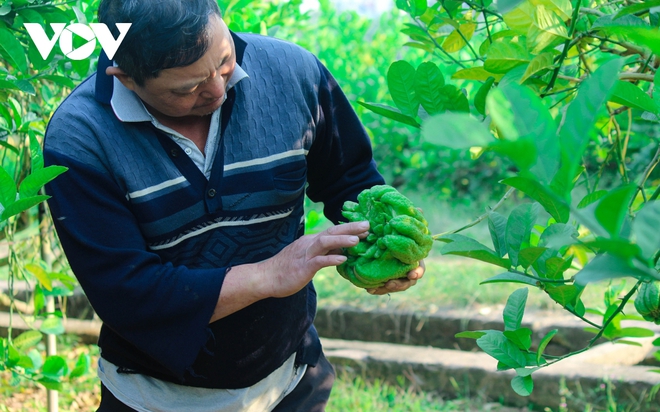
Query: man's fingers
[
  {"x": 418, "y": 272},
  {"x": 351, "y": 228},
  {"x": 394, "y": 285}
]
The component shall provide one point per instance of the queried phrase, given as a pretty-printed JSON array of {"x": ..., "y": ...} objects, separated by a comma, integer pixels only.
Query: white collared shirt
[{"x": 129, "y": 108}]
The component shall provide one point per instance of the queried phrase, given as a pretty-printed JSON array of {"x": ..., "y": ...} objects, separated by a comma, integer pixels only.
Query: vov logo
[{"x": 65, "y": 34}]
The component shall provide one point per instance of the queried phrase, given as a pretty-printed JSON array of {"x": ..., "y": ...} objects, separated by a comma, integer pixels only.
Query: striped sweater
[{"x": 150, "y": 238}]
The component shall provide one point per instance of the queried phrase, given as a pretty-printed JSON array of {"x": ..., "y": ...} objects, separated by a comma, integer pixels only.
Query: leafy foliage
[
  {"x": 30, "y": 89},
  {"x": 568, "y": 92}
]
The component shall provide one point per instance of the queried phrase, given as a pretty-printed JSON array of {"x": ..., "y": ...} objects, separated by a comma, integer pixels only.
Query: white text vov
[{"x": 65, "y": 34}]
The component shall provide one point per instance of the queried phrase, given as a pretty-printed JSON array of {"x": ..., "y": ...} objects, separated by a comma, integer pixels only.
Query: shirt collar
[{"x": 129, "y": 108}]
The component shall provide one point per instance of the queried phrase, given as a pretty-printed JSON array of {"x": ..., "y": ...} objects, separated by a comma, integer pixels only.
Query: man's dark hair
[{"x": 163, "y": 34}]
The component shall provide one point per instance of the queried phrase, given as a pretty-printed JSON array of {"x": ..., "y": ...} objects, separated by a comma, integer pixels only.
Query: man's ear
[{"x": 121, "y": 75}]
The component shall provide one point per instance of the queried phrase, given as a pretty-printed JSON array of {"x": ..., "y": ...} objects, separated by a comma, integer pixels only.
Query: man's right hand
[{"x": 288, "y": 271}]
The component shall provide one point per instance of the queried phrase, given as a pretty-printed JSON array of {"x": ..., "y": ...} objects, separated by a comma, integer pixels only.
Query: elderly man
[{"x": 182, "y": 214}]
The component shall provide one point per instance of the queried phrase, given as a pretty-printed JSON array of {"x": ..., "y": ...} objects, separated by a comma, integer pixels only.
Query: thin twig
[
  {"x": 480, "y": 218},
  {"x": 647, "y": 172},
  {"x": 567, "y": 46}
]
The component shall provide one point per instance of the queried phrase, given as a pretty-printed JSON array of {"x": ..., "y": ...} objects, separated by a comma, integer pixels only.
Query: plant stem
[
  {"x": 647, "y": 172},
  {"x": 567, "y": 46},
  {"x": 435, "y": 42},
  {"x": 572, "y": 312},
  {"x": 545, "y": 280},
  {"x": 460, "y": 33},
  {"x": 602, "y": 328},
  {"x": 483, "y": 10},
  {"x": 480, "y": 218}
]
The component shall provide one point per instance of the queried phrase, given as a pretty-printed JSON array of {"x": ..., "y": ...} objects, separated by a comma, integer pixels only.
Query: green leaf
[
  {"x": 59, "y": 80},
  {"x": 522, "y": 385},
  {"x": 510, "y": 277},
  {"x": 455, "y": 42},
  {"x": 643, "y": 36},
  {"x": 613, "y": 208},
  {"x": 22, "y": 205},
  {"x": 556, "y": 266},
  {"x": 25, "y": 362},
  {"x": 520, "y": 18},
  {"x": 497, "y": 229},
  {"x": 629, "y": 95},
  {"x": 54, "y": 368},
  {"x": 415, "y": 7},
  {"x": 637, "y": 8},
  {"x": 391, "y": 113},
  {"x": 470, "y": 334},
  {"x": 51, "y": 384},
  {"x": 547, "y": 30},
  {"x": 32, "y": 183},
  {"x": 608, "y": 22},
  {"x": 522, "y": 337},
  {"x": 580, "y": 118},
  {"x": 40, "y": 274},
  {"x": 505, "y": 55},
  {"x": 558, "y": 235},
  {"x": 7, "y": 85},
  {"x": 36, "y": 154},
  {"x": 618, "y": 247},
  {"x": 550, "y": 202},
  {"x": 474, "y": 250},
  {"x": 10, "y": 44},
  {"x": 5, "y": 9},
  {"x": 39, "y": 299},
  {"x": 37, "y": 359},
  {"x": 81, "y": 367},
  {"x": 7, "y": 188},
  {"x": 456, "y": 131},
  {"x": 13, "y": 356},
  {"x": 515, "y": 309},
  {"x": 428, "y": 87},
  {"x": 505, "y": 6},
  {"x": 476, "y": 73},
  {"x": 565, "y": 295},
  {"x": 521, "y": 152},
  {"x": 482, "y": 93},
  {"x": 635, "y": 332},
  {"x": 591, "y": 198},
  {"x": 453, "y": 99},
  {"x": 27, "y": 339},
  {"x": 499, "y": 347},
  {"x": 52, "y": 326},
  {"x": 528, "y": 256},
  {"x": 519, "y": 228},
  {"x": 544, "y": 343},
  {"x": 538, "y": 64},
  {"x": 563, "y": 8},
  {"x": 519, "y": 112},
  {"x": 645, "y": 228},
  {"x": 604, "y": 267},
  {"x": 401, "y": 84}
]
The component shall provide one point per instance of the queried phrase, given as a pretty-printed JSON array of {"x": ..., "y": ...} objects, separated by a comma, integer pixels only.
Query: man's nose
[{"x": 214, "y": 87}]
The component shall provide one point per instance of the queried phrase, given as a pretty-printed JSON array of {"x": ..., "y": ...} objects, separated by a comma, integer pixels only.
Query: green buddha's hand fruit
[
  {"x": 647, "y": 302},
  {"x": 398, "y": 238}
]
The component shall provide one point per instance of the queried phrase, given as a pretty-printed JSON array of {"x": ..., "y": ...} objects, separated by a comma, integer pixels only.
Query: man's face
[{"x": 197, "y": 89}]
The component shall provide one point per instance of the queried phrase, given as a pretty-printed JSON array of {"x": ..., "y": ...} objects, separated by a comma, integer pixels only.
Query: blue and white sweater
[{"x": 150, "y": 238}]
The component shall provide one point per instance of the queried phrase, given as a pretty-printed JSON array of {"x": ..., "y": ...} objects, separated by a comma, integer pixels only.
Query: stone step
[
  {"x": 451, "y": 373},
  {"x": 439, "y": 329}
]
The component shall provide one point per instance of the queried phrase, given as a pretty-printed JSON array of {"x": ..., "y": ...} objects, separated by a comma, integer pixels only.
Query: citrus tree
[
  {"x": 31, "y": 87},
  {"x": 568, "y": 91}
]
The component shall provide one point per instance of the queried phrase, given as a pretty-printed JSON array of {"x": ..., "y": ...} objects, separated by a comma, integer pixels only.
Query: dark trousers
[{"x": 311, "y": 394}]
